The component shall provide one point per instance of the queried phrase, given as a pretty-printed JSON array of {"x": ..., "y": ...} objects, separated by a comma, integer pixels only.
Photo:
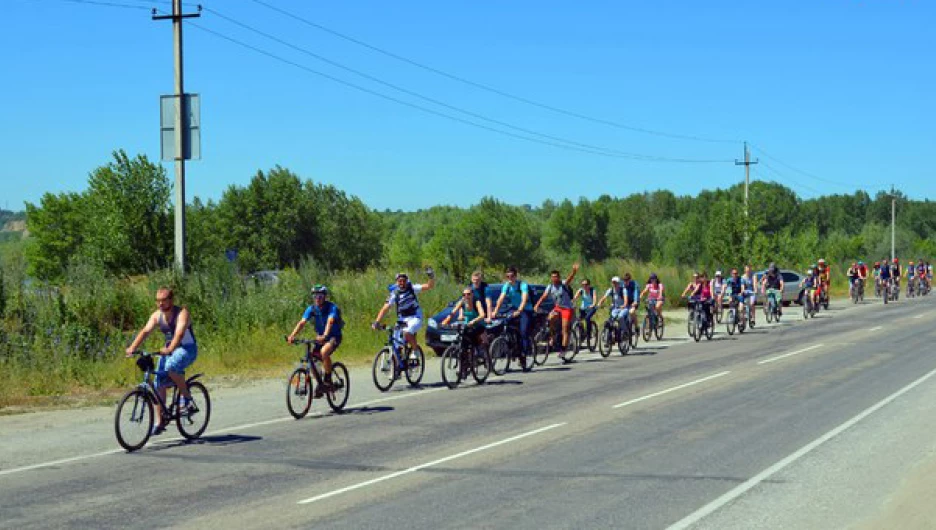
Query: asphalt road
[{"x": 798, "y": 425}]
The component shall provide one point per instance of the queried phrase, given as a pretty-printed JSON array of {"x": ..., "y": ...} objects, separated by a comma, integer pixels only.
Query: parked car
[
  {"x": 439, "y": 337},
  {"x": 269, "y": 277},
  {"x": 791, "y": 289}
]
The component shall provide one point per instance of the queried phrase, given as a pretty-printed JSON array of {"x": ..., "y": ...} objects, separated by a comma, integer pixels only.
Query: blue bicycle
[
  {"x": 397, "y": 358},
  {"x": 133, "y": 422}
]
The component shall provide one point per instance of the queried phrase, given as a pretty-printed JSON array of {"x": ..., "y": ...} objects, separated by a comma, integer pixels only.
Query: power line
[
  {"x": 801, "y": 172},
  {"x": 450, "y": 106},
  {"x": 786, "y": 180},
  {"x": 489, "y": 88},
  {"x": 572, "y": 147},
  {"x": 102, "y": 3}
]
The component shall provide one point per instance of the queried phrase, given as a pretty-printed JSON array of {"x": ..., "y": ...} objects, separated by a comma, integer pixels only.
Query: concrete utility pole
[
  {"x": 747, "y": 183},
  {"x": 893, "y": 223},
  {"x": 180, "y": 129}
]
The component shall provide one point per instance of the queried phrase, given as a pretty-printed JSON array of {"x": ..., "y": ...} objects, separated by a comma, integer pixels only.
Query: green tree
[{"x": 57, "y": 227}]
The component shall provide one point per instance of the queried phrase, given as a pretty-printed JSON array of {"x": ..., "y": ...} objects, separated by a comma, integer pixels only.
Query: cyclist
[
  {"x": 631, "y": 292},
  {"x": 654, "y": 292},
  {"x": 921, "y": 273},
  {"x": 877, "y": 276},
  {"x": 587, "y": 294},
  {"x": 862, "y": 275},
  {"x": 691, "y": 285},
  {"x": 810, "y": 283},
  {"x": 517, "y": 294},
  {"x": 747, "y": 282},
  {"x": 179, "y": 352},
  {"x": 470, "y": 311},
  {"x": 734, "y": 289},
  {"x": 896, "y": 273},
  {"x": 561, "y": 294},
  {"x": 403, "y": 296},
  {"x": 702, "y": 292},
  {"x": 328, "y": 324},
  {"x": 884, "y": 277},
  {"x": 618, "y": 301},
  {"x": 911, "y": 274},
  {"x": 772, "y": 286},
  {"x": 852, "y": 274},
  {"x": 479, "y": 289},
  {"x": 824, "y": 273},
  {"x": 718, "y": 285}
]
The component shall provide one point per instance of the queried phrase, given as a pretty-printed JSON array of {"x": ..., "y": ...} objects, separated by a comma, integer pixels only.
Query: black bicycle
[
  {"x": 299, "y": 388},
  {"x": 737, "y": 317},
  {"x": 700, "y": 322},
  {"x": 772, "y": 306},
  {"x": 857, "y": 291},
  {"x": 507, "y": 345},
  {"x": 653, "y": 323},
  {"x": 549, "y": 338},
  {"x": 397, "y": 358},
  {"x": 613, "y": 333},
  {"x": 135, "y": 416},
  {"x": 464, "y": 357},
  {"x": 587, "y": 330}
]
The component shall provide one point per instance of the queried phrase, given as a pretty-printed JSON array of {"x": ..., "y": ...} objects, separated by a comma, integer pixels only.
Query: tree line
[{"x": 123, "y": 223}]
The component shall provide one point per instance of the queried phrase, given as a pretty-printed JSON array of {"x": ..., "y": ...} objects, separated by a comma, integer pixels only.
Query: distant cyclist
[
  {"x": 748, "y": 282},
  {"x": 631, "y": 293},
  {"x": 587, "y": 293},
  {"x": 618, "y": 301},
  {"x": 824, "y": 273},
  {"x": 772, "y": 286},
  {"x": 517, "y": 294},
  {"x": 654, "y": 293},
  {"x": 403, "y": 296},
  {"x": 479, "y": 289},
  {"x": 470, "y": 312},
  {"x": 896, "y": 273},
  {"x": 810, "y": 284},
  {"x": 702, "y": 293},
  {"x": 326, "y": 318},
  {"x": 179, "y": 352},
  {"x": 852, "y": 274}
]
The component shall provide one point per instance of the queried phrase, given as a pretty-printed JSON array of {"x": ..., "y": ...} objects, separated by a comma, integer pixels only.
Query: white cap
[
  {"x": 718, "y": 273},
  {"x": 616, "y": 279}
]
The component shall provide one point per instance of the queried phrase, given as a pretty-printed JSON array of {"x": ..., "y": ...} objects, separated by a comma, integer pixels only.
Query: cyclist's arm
[
  {"x": 571, "y": 276},
  {"x": 182, "y": 323},
  {"x": 299, "y": 325},
  {"x": 141, "y": 336},
  {"x": 576, "y": 297},
  {"x": 500, "y": 300},
  {"x": 536, "y": 306},
  {"x": 524, "y": 299},
  {"x": 600, "y": 301},
  {"x": 382, "y": 312},
  {"x": 330, "y": 322},
  {"x": 453, "y": 313},
  {"x": 480, "y": 307}
]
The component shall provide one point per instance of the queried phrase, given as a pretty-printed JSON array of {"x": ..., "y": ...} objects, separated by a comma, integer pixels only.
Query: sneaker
[
  {"x": 186, "y": 405},
  {"x": 158, "y": 429},
  {"x": 319, "y": 391}
]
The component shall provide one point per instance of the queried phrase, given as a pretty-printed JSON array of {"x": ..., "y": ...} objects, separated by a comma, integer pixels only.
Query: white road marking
[
  {"x": 918, "y": 316},
  {"x": 219, "y": 431},
  {"x": 668, "y": 390},
  {"x": 785, "y": 355},
  {"x": 429, "y": 464},
  {"x": 741, "y": 489},
  {"x": 876, "y": 328}
]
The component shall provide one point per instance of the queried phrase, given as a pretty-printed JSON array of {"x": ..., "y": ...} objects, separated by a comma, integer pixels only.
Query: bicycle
[
  {"x": 810, "y": 308},
  {"x": 772, "y": 307},
  {"x": 137, "y": 405},
  {"x": 857, "y": 291},
  {"x": 299, "y": 385},
  {"x": 737, "y": 316},
  {"x": 653, "y": 323},
  {"x": 612, "y": 333},
  {"x": 700, "y": 322},
  {"x": 718, "y": 309},
  {"x": 464, "y": 357},
  {"x": 507, "y": 345},
  {"x": 587, "y": 331},
  {"x": 911, "y": 287},
  {"x": 547, "y": 339},
  {"x": 397, "y": 357}
]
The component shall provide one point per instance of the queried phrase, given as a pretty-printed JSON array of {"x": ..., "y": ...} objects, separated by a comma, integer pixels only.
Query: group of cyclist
[{"x": 889, "y": 272}]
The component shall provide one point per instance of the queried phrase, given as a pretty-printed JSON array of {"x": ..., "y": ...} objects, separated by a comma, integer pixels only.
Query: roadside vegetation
[{"x": 73, "y": 291}]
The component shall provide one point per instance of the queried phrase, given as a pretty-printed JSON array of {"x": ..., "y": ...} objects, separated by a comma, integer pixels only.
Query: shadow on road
[
  {"x": 219, "y": 440},
  {"x": 367, "y": 410}
]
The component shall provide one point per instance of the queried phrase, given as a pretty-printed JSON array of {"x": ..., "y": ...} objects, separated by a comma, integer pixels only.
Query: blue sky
[{"x": 842, "y": 91}]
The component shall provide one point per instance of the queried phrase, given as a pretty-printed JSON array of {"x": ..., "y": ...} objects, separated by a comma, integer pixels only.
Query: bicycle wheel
[
  {"x": 384, "y": 372},
  {"x": 569, "y": 352},
  {"x": 541, "y": 346},
  {"x": 415, "y": 366},
  {"x": 299, "y": 393},
  {"x": 769, "y": 311},
  {"x": 742, "y": 320},
  {"x": 526, "y": 360},
  {"x": 133, "y": 422},
  {"x": 481, "y": 367},
  {"x": 697, "y": 326},
  {"x": 500, "y": 355},
  {"x": 592, "y": 336},
  {"x": 192, "y": 423},
  {"x": 659, "y": 327},
  {"x": 451, "y": 366},
  {"x": 337, "y": 397},
  {"x": 623, "y": 336},
  {"x": 647, "y": 328},
  {"x": 719, "y": 312},
  {"x": 605, "y": 340},
  {"x": 732, "y": 323},
  {"x": 709, "y": 330}
]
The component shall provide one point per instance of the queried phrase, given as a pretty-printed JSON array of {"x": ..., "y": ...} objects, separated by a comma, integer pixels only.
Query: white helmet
[
  {"x": 616, "y": 279},
  {"x": 718, "y": 273}
]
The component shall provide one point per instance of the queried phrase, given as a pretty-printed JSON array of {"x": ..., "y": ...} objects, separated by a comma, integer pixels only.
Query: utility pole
[
  {"x": 180, "y": 129},
  {"x": 893, "y": 223},
  {"x": 747, "y": 183}
]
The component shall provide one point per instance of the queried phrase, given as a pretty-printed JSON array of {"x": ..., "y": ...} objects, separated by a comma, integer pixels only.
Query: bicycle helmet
[
  {"x": 616, "y": 279},
  {"x": 319, "y": 289},
  {"x": 653, "y": 276},
  {"x": 821, "y": 261},
  {"x": 718, "y": 273},
  {"x": 401, "y": 275}
]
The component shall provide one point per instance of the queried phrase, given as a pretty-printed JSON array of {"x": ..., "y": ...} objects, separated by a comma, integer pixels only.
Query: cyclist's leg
[
  {"x": 526, "y": 321},
  {"x": 413, "y": 324},
  {"x": 176, "y": 363},
  {"x": 566, "y": 316},
  {"x": 327, "y": 350}
]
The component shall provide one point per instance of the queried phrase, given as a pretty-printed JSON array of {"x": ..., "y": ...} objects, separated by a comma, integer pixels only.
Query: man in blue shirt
[
  {"x": 327, "y": 321},
  {"x": 518, "y": 296}
]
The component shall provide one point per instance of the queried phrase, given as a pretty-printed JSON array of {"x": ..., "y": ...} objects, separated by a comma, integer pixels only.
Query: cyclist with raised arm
[
  {"x": 327, "y": 322},
  {"x": 517, "y": 294},
  {"x": 561, "y": 293},
  {"x": 618, "y": 301},
  {"x": 179, "y": 352},
  {"x": 403, "y": 296},
  {"x": 772, "y": 286}
]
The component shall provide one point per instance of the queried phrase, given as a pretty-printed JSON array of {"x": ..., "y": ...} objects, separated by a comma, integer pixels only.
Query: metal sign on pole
[{"x": 191, "y": 127}]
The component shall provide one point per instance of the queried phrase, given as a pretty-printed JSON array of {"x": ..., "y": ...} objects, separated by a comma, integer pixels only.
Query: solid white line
[
  {"x": 785, "y": 355},
  {"x": 739, "y": 490},
  {"x": 428, "y": 464},
  {"x": 918, "y": 316},
  {"x": 876, "y": 328},
  {"x": 219, "y": 431},
  {"x": 668, "y": 390}
]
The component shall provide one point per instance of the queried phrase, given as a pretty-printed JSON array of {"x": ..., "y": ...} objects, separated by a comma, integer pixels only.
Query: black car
[{"x": 439, "y": 337}]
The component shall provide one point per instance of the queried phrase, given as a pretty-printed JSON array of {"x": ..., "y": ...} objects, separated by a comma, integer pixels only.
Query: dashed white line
[
  {"x": 668, "y": 390},
  {"x": 739, "y": 490},
  {"x": 413, "y": 469},
  {"x": 918, "y": 316},
  {"x": 219, "y": 431},
  {"x": 785, "y": 355},
  {"x": 876, "y": 328}
]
